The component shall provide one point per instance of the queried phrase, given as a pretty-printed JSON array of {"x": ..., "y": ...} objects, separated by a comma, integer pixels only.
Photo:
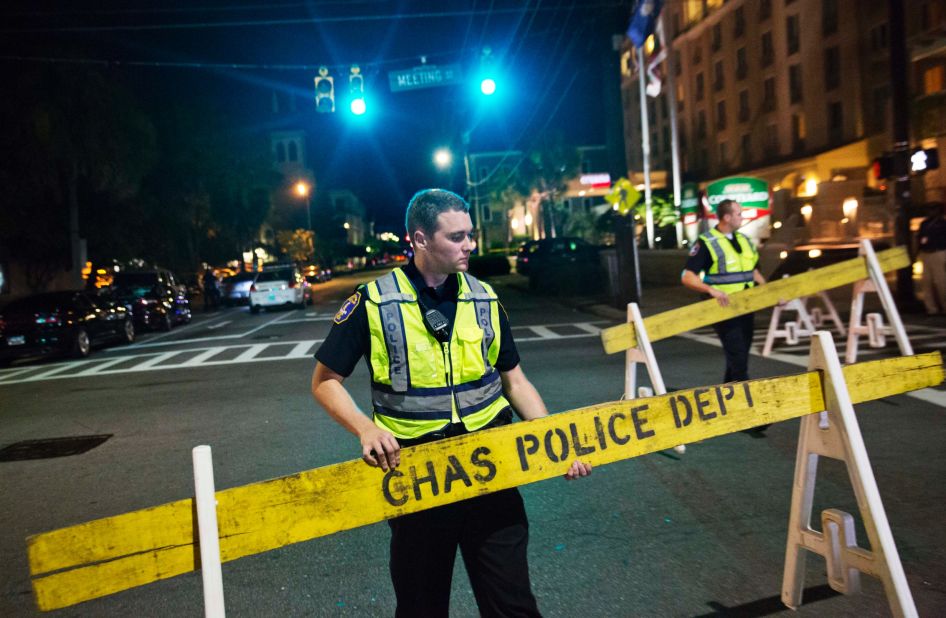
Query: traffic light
[
  {"x": 356, "y": 90},
  {"x": 923, "y": 160},
  {"x": 882, "y": 167},
  {"x": 324, "y": 92}
]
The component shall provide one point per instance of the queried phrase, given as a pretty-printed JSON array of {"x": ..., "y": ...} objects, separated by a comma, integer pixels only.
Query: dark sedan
[
  {"x": 69, "y": 323},
  {"x": 154, "y": 297}
]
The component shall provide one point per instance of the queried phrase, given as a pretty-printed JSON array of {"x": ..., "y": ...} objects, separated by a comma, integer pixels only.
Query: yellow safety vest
[
  {"x": 419, "y": 385},
  {"x": 731, "y": 271}
]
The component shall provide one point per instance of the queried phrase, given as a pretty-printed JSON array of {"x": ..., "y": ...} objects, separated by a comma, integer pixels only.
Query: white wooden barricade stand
[
  {"x": 791, "y": 332},
  {"x": 810, "y": 320},
  {"x": 643, "y": 353},
  {"x": 874, "y": 329},
  {"x": 210, "y": 568},
  {"x": 819, "y": 316},
  {"x": 835, "y": 433}
]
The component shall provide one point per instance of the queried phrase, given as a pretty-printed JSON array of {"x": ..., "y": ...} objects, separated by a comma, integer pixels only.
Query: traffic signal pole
[{"x": 900, "y": 99}]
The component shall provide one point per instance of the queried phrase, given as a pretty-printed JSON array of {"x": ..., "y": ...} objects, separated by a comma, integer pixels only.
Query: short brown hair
[
  {"x": 725, "y": 208},
  {"x": 426, "y": 206}
]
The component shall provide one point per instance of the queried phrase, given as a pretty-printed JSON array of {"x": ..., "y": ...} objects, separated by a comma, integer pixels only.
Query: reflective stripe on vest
[
  {"x": 410, "y": 378},
  {"x": 720, "y": 276},
  {"x": 481, "y": 307}
]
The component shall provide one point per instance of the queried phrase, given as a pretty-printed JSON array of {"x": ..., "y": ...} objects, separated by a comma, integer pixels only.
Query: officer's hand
[
  {"x": 721, "y": 297},
  {"x": 577, "y": 469},
  {"x": 380, "y": 448}
]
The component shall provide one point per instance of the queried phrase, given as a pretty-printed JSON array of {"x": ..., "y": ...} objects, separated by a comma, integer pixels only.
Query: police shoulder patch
[
  {"x": 348, "y": 307},
  {"x": 695, "y": 249}
]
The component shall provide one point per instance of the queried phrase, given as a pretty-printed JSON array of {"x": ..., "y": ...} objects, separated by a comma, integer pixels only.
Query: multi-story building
[{"x": 795, "y": 92}]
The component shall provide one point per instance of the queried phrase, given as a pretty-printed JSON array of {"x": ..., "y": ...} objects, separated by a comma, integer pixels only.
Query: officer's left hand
[{"x": 577, "y": 469}]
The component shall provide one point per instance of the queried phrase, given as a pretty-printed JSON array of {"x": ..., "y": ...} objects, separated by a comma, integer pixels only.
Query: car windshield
[
  {"x": 135, "y": 284},
  {"x": 283, "y": 274}
]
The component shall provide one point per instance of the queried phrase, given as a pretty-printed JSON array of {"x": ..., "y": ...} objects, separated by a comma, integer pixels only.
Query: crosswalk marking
[
  {"x": 251, "y": 352},
  {"x": 201, "y": 358},
  {"x": 156, "y": 360},
  {"x": 235, "y": 353},
  {"x": 102, "y": 366},
  {"x": 300, "y": 350},
  {"x": 544, "y": 332}
]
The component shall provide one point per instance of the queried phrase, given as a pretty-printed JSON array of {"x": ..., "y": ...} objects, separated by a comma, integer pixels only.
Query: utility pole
[{"x": 900, "y": 106}]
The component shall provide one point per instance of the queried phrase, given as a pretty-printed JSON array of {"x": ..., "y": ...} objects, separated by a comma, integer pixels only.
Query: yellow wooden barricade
[
  {"x": 704, "y": 313},
  {"x": 108, "y": 555}
]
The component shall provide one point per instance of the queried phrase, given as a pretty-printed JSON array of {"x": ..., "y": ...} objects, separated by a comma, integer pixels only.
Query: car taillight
[
  {"x": 292, "y": 284},
  {"x": 252, "y": 287},
  {"x": 51, "y": 318}
]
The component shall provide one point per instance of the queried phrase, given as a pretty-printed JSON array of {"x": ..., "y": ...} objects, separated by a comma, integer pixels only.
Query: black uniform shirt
[
  {"x": 348, "y": 341},
  {"x": 701, "y": 259}
]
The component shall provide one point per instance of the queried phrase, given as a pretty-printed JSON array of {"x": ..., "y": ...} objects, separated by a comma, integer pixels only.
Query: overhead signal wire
[{"x": 293, "y": 21}]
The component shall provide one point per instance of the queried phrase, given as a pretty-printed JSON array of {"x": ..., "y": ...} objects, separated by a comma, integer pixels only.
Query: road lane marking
[
  {"x": 251, "y": 352},
  {"x": 101, "y": 365},
  {"x": 159, "y": 358},
  {"x": 221, "y": 324},
  {"x": 544, "y": 332},
  {"x": 56, "y": 369},
  {"x": 201, "y": 358},
  {"x": 301, "y": 349}
]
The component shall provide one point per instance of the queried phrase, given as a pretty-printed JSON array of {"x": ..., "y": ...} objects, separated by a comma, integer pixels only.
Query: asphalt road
[{"x": 662, "y": 535}]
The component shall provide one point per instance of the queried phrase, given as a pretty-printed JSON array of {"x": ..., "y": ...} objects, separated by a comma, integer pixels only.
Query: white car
[{"x": 278, "y": 286}]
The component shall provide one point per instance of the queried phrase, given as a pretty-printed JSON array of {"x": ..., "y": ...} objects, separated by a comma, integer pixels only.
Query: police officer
[
  {"x": 724, "y": 261},
  {"x": 442, "y": 363}
]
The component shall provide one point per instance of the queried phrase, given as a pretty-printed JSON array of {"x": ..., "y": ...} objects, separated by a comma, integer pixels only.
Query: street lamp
[
  {"x": 443, "y": 158},
  {"x": 304, "y": 189}
]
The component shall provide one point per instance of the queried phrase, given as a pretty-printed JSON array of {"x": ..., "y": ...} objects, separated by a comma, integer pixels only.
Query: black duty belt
[{"x": 457, "y": 429}]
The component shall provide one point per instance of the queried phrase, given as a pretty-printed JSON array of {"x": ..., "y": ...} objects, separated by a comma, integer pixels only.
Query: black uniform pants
[
  {"x": 492, "y": 533},
  {"x": 736, "y": 336}
]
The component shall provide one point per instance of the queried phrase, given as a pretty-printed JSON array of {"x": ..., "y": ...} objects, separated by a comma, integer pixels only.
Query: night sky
[{"x": 547, "y": 56}]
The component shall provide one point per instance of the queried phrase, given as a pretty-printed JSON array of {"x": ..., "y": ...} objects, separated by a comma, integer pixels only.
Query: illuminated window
[{"x": 933, "y": 79}]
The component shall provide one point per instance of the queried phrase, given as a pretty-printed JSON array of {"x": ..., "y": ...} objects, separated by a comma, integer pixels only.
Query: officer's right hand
[
  {"x": 721, "y": 297},
  {"x": 380, "y": 448}
]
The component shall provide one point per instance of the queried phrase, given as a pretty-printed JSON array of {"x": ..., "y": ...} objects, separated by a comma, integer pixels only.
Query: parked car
[
  {"x": 70, "y": 323},
  {"x": 560, "y": 264},
  {"x": 317, "y": 274},
  {"x": 235, "y": 289},
  {"x": 154, "y": 297},
  {"x": 278, "y": 286}
]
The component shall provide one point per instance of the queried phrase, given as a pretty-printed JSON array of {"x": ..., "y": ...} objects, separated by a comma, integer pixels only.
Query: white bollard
[{"x": 206, "y": 499}]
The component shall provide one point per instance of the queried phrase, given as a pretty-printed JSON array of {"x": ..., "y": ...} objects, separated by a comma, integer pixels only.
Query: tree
[
  {"x": 76, "y": 147},
  {"x": 211, "y": 187},
  {"x": 297, "y": 244},
  {"x": 545, "y": 173}
]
